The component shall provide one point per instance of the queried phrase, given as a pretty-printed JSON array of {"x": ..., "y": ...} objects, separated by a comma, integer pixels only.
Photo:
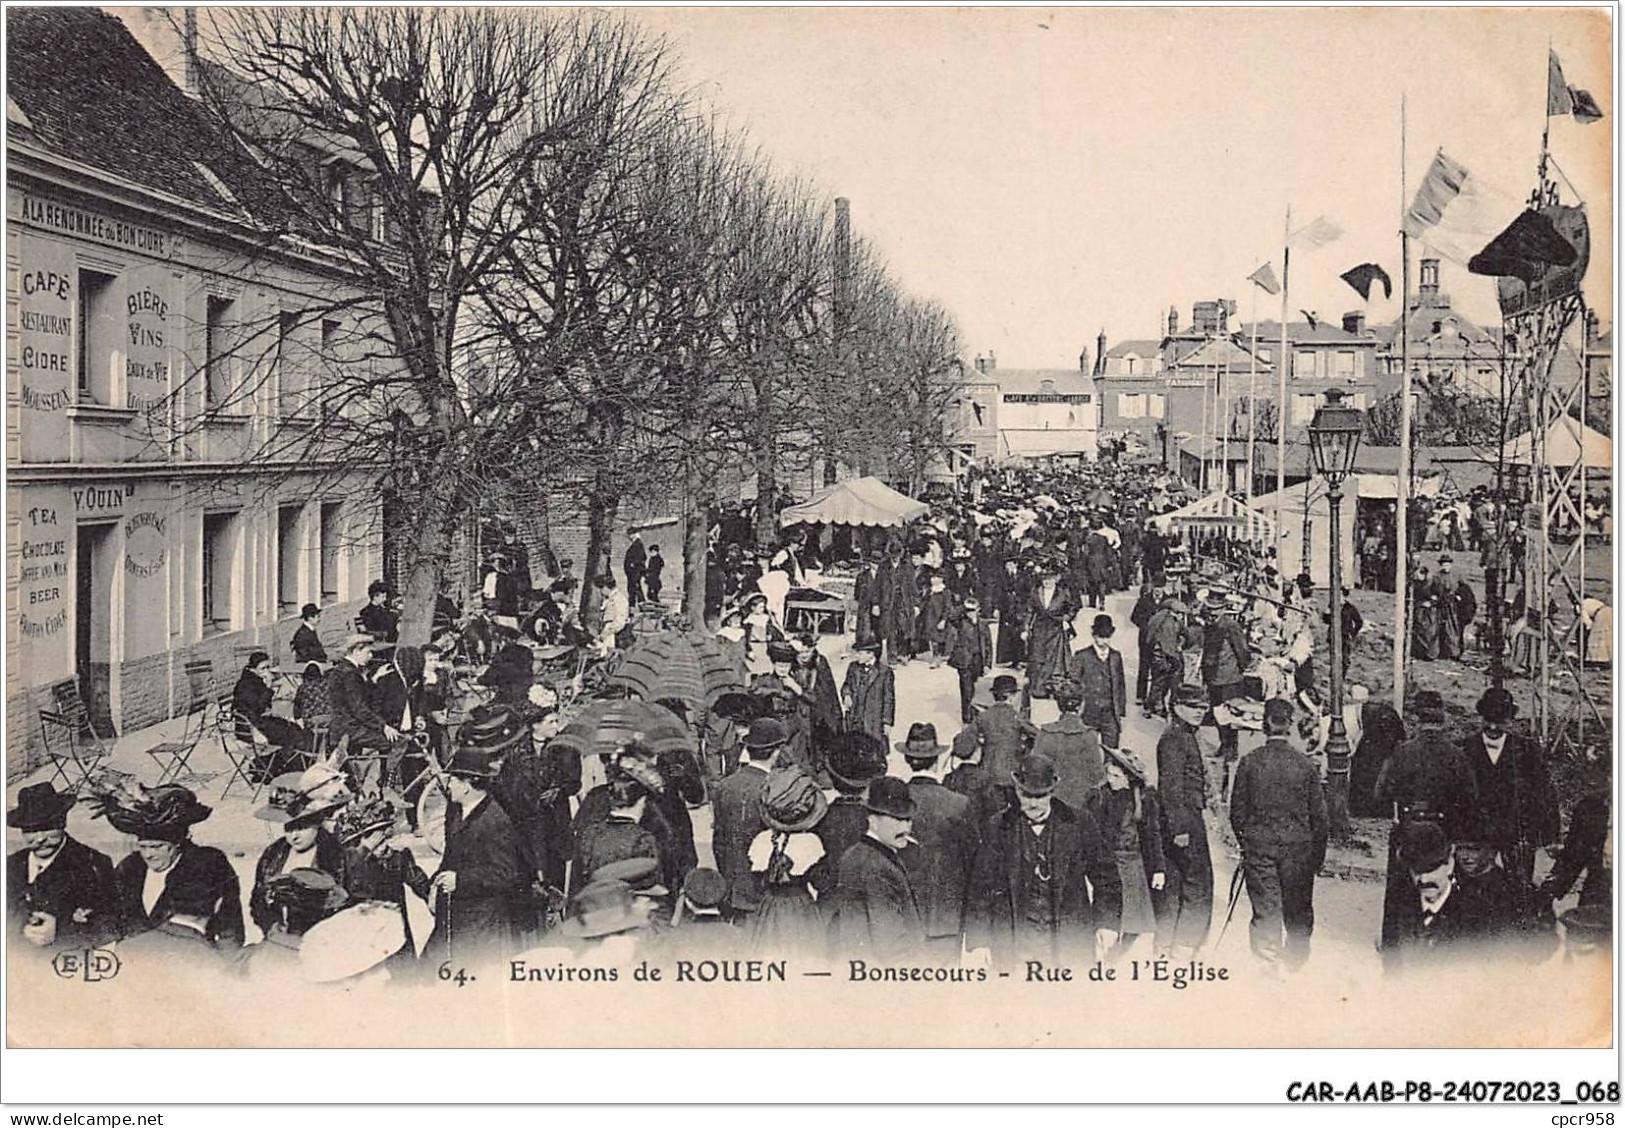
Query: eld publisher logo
[{"x": 91, "y": 964}]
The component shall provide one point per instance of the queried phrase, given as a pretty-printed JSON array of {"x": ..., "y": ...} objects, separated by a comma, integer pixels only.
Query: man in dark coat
[
  {"x": 1145, "y": 606},
  {"x": 875, "y": 916},
  {"x": 1586, "y": 850},
  {"x": 377, "y": 618},
  {"x": 168, "y": 871},
  {"x": 1443, "y": 918},
  {"x": 1426, "y": 779},
  {"x": 653, "y": 566},
  {"x": 1011, "y": 590},
  {"x": 354, "y": 714},
  {"x": 970, "y": 653},
  {"x": 1072, "y": 746},
  {"x": 251, "y": 700},
  {"x": 633, "y": 564},
  {"x": 59, "y": 892},
  {"x": 483, "y": 886},
  {"x": 938, "y": 861},
  {"x": 869, "y": 691},
  {"x": 863, "y": 601},
  {"x": 1167, "y": 636},
  {"x": 1099, "y": 564},
  {"x": 1098, "y": 670},
  {"x": 736, "y": 805},
  {"x": 1030, "y": 892},
  {"x": 896, "y": 603},
  {"x": 1186, "y": 909},
  {"x": 1515, "y": 795},
  {"x": 1278, "y": 811},
  {"x": 1002, "y": 734},
  {"x": 1225, "y": 658},
  {"x": 855, "y": 761},
  {"x": 971, "y": 779},
  {"x": 306, "y": 643}
]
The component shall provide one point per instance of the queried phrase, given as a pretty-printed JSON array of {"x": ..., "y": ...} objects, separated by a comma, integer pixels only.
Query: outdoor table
[{"x": 824, "y": 614}]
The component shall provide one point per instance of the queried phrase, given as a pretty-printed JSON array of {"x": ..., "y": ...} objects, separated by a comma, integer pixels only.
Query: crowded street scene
[{"x": 480, "y": 545}]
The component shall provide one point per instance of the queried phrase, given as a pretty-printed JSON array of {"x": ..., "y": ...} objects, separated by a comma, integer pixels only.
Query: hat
[
  {"x": 791, "y": 800},
  {"x": 1065, "y": 689},
  {"x": 921, "y": 741},
  {"x": 868, "y": 644},
  {"x": 163, "y": 813},
  {"x": 705, "y": 888},
  {"x": 1035, "y": 774},
  {"x": 1278, "y": 711},
  {"x": 965, "y": 744},
  {"x": 781, "y": 652},
  {"x": 1429, "y": 705},
  {"x": 363, "y": 817},
  {"x": 476, "y": 763},
  {"x": 40, "y": 807},
  {"x": 856, "y": 759},
  {"x": 1589, "y": 924},
  {"x": 1190, "y": 696},
  {"x": 1103, "y": 627},
  {"x": 602, "y": 908},
  {"x": 309, "y": 892},
  {"x": 736, "y": 707},
  {"x": 1126, "y": 760},
  {"x": 1423, "y": 846},
  {"x": 889, "y": 796},
  {"x": 309, "y": 610},
  {"x": 351, "y": 941},
  {"x": 356, "y": 640},
  {"x": 492, "y": 729},
  {"x": 641, "y": 875},
  {"x": 1497, "y": 705},
  {"x": 294, "y": 807},
  {"x": 1004, "y": 684},
  {"x": 972, "y": 604},
  {"x": 766, "y": 732}
]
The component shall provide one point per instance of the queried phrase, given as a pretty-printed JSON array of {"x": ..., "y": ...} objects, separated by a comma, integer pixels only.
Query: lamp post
[{"x": 1334, "y": 438}]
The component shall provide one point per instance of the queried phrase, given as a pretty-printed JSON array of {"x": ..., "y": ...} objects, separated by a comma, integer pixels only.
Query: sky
[{"x": 1047, "y": 174}]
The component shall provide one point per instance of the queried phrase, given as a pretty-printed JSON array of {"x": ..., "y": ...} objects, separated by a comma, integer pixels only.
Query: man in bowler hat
[
  {"x": 945, "y": 832},
  {"x": 1044, "y": 884},
  {"x": 736, "y": 806},
  {"x": 1515, "y": 795},
  {"x": 876, "y": 916},
  {"x": 59, "y": 892}
]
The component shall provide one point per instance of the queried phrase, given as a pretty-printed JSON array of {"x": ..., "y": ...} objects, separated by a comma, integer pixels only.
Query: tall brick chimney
[
  {"x": 1354, "y": 322},
  {"x": 1173, "y": 320}
]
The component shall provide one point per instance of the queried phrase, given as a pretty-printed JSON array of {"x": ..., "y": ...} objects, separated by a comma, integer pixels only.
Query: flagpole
[
  {"x": 1280, "y": 403},
  {"x": 1201, "y": 473},
  {"x": 1252, "y": 394},
  {"x": 1402, "y": 477},
  {"x": 1221, "y": 370}
]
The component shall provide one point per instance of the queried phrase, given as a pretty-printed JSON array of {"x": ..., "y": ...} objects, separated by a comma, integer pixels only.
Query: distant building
[
  {"x": 1043, "y": 412},
  {"x": 1446, "y": 349},
  {"x": 1129, "y": 389}
]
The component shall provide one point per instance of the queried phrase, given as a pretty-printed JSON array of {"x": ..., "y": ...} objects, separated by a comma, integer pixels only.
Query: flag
[
  {"x": 1316, "y": 233},
  {"x": 1456, "y": 212},
  {"x": 1264, "y": 279},
  {"x": 1561, "y": 98},
  {"x": 1361, "y": 277}
]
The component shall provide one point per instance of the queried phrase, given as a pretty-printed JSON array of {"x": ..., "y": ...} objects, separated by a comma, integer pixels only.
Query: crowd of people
[{"x": 1014, "y": 838}]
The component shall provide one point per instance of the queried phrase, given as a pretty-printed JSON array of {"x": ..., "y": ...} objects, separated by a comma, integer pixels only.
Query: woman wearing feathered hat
[
  {"x": 305, "y": 842},
  {"x": 167, "y": 871},
  {"x": 1130, "y": 818},
  {"x": 296, "y": 901},
  {"x": 373, "y": 869},
  {"x": 783, "y": 861}
]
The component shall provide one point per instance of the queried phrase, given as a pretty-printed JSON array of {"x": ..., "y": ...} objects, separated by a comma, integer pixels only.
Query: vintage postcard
[{"x": 810, "y": 528}]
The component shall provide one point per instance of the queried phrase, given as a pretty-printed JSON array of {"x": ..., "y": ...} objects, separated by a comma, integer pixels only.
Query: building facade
[
  {"x": 162, "y": 507},
  {"x": 1044, "y": 412}
]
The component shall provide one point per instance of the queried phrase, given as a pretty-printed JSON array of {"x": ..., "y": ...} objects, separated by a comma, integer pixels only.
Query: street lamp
[{"x": 1334, "y": 438}]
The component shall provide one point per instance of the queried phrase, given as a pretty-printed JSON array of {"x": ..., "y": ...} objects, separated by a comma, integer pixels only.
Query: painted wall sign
[
  {"x": 44, "y": 578},
  {"x": 67, "y": 219},
  {"x": 144, "y": 544},
  {"x": 45, "y": 307},
  {"x": 108, "y": 498},
  {"x": 147, "y": 338}
]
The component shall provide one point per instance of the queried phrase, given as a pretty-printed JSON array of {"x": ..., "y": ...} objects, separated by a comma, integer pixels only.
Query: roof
[
  {"x": 1137, "y": 348},
  {"x": 857, "y": 501},
  {"x": 1568, "y": 441},
  {"x": 1214, "y": 448},
  {"x": 1370, "y": 459},
  {"x": 85, "y": 89},
  {"x": 1456, "y": 333},
  {"x": 1030, "y": 381},
  {"x": 1325, "y": 332},
  {"x": 1225, "y": 351}
]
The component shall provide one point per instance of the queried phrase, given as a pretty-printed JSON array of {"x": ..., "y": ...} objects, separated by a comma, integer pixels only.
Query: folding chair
[
  {"x": 321, "y": 732},
  {"x": 242, "y": 752},
  {"x": 177, "y": 753},
  {"x": 71, "y": 705},
  {"x": 72, "y": 765}
]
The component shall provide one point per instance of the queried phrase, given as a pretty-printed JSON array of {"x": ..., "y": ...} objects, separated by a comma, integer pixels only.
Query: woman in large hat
[
  {"x": 783, "y": 858},
  {"x": 483, "y": 885},
  {"x": 305, "y": 842},
  {"x": 1130, "y": 818},
  {"x": 1048, "y": 627},
  {"x": 166, "y": 863},
  {"x": 373, "y": 869}
]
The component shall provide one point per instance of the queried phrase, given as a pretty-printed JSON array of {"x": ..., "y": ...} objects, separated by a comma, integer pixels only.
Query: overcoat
[
  {"x": 939, "y": 862},
  {"x": 77, "y": 878},
  {"x": 875, "y": 915},
  {"x": 198, "y": 866}
]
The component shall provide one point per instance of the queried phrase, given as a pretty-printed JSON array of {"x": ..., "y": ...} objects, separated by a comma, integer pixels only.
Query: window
[
  {"x": 329, "y": 358},
  {"x": 219, "y": 537},
  {"x": 216, "y": 352},
  {"x": 1304, "y": 365},
  {"x": 1155, "y": 405},
  {"x": 1130, "y": 405},
  {"x": 290, "y": 387},
  {"x": 287, "y": 559},
  {"x": 1344, "y": 369},
  {"x": 1129, "y": 362},
  {"x": 1303, "y": 407},
  {"x": 98, "y": 331},
  {"x": 329, "y": 549}
]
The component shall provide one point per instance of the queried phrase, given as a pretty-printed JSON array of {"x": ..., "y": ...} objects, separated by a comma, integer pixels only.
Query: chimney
[
  {"x": 1205, "y": 317},
  {"x": 981, "y": 363},
  {"x": 1100, "y": 351},
  {"x": 1173, "y": 321},
  {"x": 1427, "y": 288},
  {"x": 992, "y": 361},
  {"x": 1354, "y": 322},
  {"x": 1083, "y": 363}
]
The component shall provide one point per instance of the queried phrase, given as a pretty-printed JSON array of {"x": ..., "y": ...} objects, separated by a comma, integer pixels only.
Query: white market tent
[
  {"x": 1566, "y": 442},
  {"x": 1289, "y": 505},
  {"x": 859, "y": 501},
  {"x": 1219, "y": 513}
]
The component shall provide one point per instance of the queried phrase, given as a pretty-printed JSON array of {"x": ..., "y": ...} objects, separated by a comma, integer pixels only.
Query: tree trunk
[
  {"x": 602, "y": 504},
  {"x": 697, "y": 489},
  {"x": 767, "y": 491},
  {"x": 437, "y": 515}
]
